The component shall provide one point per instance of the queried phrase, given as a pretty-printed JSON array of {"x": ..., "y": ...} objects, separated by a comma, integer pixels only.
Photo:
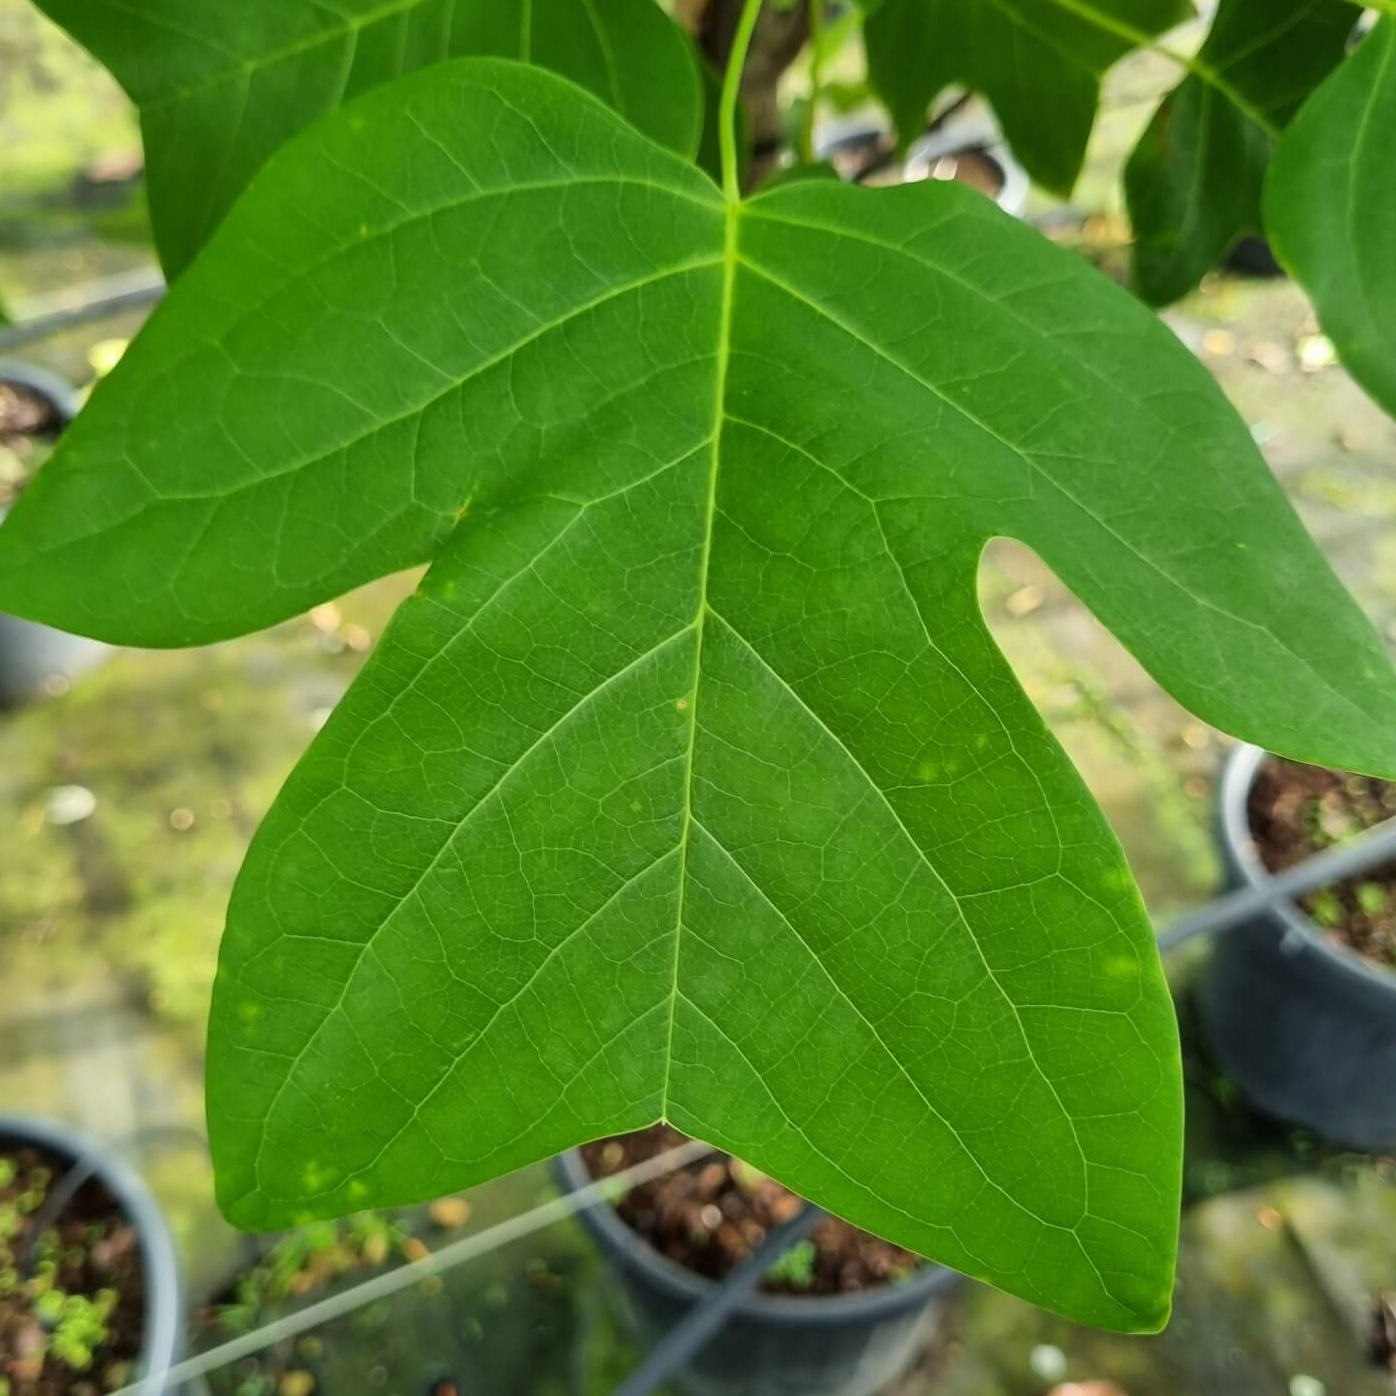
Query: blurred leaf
[
  {"x": 846, "y": 97},
  {"x": 1330, "y": 209},
  {"x": 1039, "y": 63},
  {"x": 222, "y": 84},
  {"x": 1195, "y": 179}
]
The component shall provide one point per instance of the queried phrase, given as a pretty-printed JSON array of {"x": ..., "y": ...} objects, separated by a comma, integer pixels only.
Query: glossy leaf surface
[
  {"x": 690, "y": 783},
  {"x": 222, "y": 84},
  {"x": 1039, "y": 62},
  {"x": 1195, "y": 179},
  {"x": 1331, "y": 209}
]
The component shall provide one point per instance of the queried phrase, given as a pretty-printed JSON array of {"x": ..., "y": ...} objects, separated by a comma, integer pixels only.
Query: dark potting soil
[
  {"x": 1296, "y": 811},
  {"x": 711, "y": 1215},
  {"x": 72, "y": 1299}
]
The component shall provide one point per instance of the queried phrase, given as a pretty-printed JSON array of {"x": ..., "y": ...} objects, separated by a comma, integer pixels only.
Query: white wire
[{"x": 381, "y": 1286}]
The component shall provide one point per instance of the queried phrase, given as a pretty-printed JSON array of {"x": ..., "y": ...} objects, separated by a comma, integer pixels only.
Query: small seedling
[
  {"x": 1371, "y": 897},
  {"x": 796, "y": 1267},
  {"x": 1327, "y": 910},
  {"x": 306, "y": 1259},
  {"x": 77, "y": 1324}
]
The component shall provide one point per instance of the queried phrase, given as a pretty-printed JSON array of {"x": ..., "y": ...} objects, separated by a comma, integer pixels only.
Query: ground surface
[{"x": 109, "y": 925}]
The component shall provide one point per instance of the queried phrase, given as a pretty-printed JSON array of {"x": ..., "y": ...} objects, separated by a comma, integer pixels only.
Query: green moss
[
  {"x": 184, "y": 753},
  {"x": 59, "y": 110}
]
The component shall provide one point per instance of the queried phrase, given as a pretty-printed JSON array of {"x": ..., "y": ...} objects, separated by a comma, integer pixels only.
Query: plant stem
[
  {"x": 816, "y": 78},
  {"x": 731, "y": 92}
]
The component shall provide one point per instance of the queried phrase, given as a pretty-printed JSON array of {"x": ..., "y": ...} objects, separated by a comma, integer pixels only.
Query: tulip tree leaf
[
  {"x": 221, "y": 84},
  {"x": 1195, "y": 179},
  {"x": 689, "y": 784},
  {"x": 1330, "y": 209},
  {"x": 1039, "y": 62}
]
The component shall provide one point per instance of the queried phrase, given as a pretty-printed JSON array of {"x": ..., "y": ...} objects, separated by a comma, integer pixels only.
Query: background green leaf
[
  {"x": 1330, "y": 209},
  {"x": 221, "y": 84},
  {"x": 1194, "y": 181},
  {"x": 690, "y": 783},
  {"x": 1039, "y": 63}
]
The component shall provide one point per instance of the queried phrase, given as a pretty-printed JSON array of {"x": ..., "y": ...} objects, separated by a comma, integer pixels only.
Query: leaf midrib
[{"x": 724, "y": 345}]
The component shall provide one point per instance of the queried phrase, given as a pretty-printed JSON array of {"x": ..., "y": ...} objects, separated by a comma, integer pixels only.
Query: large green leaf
[
  {"x": 1330, "y": 209},
  {"x": 1039, "y": 62},
  {"x": 221, "y": 84},
  {"x": 1194, "y": 181},
  {"x": 690, "y": 782}
]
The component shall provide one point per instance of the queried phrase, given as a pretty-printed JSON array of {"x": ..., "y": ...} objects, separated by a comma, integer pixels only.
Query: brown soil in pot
[
  {"x": 28, "y": 421},
  {"x": 873, "y": 164},
  {"x": 711, "y": 1215},
  {"x": 973, "y": 167},
  {"x": 1296, "y": 811},
  {"x": 52, "y": 1342}
]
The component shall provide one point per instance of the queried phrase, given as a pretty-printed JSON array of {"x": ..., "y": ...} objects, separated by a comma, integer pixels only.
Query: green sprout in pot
[
  {"x": 1327, "y": 909},
  {"x": 306, "y": 1260},
  {"x": 1372, "y": 899},
  {"x": 77, "y": 1324},
  {"x": 795, "y": 1269}
]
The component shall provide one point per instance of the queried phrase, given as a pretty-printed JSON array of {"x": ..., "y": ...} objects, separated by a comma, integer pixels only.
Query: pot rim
[
  {"x": 955, "y": 138},
  {"x": 1234, "y": 794},
  {"x": 45, "y": 383},
  {"x": 161, "y": 1340},
  {"x": 789, "y": 1311}
]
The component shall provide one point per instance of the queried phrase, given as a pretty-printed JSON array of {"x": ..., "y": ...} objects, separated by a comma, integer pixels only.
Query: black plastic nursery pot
[
  {"x": 774, "y": 1345},
  {"x": 933, "y": 156},
  {"x": 32, "y": 656},
  {"x": 162, "y": 1343},
  {"x": 1305, "y": 1028}
]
